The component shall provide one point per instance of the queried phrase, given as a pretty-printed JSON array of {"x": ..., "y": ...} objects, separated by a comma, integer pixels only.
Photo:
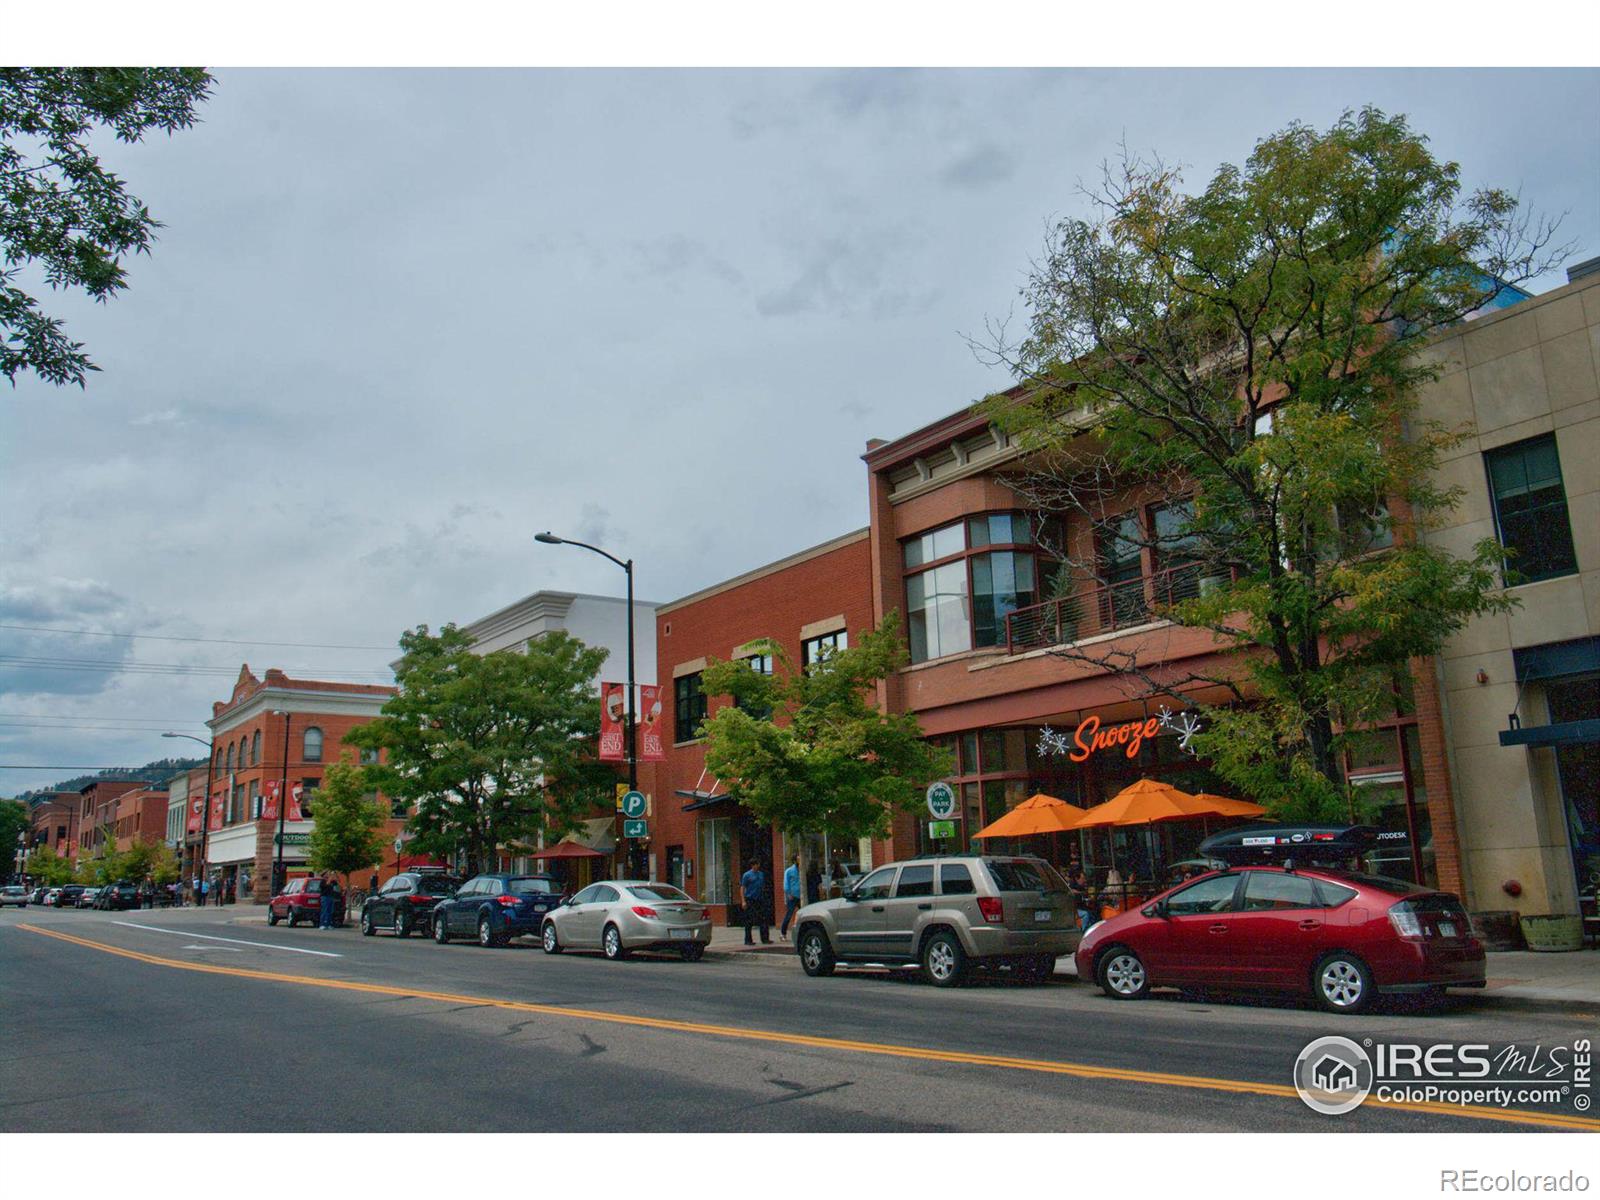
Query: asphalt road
[{"x": 308, "y": 1030}]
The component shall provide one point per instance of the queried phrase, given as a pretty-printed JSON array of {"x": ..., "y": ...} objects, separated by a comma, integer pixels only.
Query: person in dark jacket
[
  {"x": 753, "y": 884},
  {"x": 813, "y": 882}
]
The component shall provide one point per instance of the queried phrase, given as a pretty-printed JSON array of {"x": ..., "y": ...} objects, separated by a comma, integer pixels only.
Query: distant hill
[{"x": 159, "y": 771}]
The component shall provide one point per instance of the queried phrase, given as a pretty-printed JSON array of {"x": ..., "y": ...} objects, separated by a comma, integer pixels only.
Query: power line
[
  {"x": 106, "y": 666},
  {"x": 60, "y": 767},
  {"x": 163, "y": 637},
  {"x": 101, "y": 717},
  {"x": 151, "y": 729}
]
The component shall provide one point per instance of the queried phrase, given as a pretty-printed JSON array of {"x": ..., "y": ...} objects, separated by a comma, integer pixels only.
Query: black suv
[
  {"x": 406, "y": 902},
  {"x": 119, "y": 896}
]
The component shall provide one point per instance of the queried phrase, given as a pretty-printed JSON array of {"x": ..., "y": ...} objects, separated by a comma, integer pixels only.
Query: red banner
[
  {"x": 197, "y": 813},
  {"x": 269, "y": 802},
  {"x": 296, "y": 811},
  {"x": 216, "y": 811},
  {"x": 613, "y": 722},
  {"x": 650, "y": 745}
]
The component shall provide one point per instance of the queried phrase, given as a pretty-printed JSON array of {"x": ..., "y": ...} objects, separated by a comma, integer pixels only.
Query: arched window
[
  {"x": 313, "y": 745},
  {"x": 255, "y": 747},
  {"x": 230, "y": 756}
]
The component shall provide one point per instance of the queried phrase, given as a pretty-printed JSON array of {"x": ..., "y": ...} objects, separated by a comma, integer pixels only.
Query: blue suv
[{"x": 496, "y": 908}]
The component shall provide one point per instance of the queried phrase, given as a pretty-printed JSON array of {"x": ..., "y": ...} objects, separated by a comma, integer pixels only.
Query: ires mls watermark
[{"x": 1335, "y": 1074}]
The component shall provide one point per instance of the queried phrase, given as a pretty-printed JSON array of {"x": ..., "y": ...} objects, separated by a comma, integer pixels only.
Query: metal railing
[{"x": 1099, "y": 608}]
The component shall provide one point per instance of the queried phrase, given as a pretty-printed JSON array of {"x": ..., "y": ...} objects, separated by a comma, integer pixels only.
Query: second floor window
[
  {"x": 313, "y": 745},
  {"x": 964, "y": 579},
  {"x": 1530, "y": 509},
  {"x": 255, "y": 747},
  {"x": 761, "y": 664},
  {"x": 689, "y": 707},
  {"x": 820, "y": 649}
]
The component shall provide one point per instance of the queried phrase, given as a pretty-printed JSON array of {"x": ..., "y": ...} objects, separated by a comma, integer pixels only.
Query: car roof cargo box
[{"x": 1302, "y": 843}]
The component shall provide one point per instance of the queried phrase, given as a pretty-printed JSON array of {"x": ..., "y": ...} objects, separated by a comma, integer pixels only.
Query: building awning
[
  {"x": 1555, "y": 659},
  {"x": 701, "y": 799},
  {"x": 597, "y": 833},
  {"x": 566, "y": 850},
  {"x": 1561, "y": 733}
]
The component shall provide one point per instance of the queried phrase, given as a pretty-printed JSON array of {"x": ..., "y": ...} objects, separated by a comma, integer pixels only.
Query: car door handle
[
  {"x": 877, "y": 908},
  {"x": 1310, "y": 924},
  {"x": 1217, "y": 928},
  {"x": 924, "y": 907}
]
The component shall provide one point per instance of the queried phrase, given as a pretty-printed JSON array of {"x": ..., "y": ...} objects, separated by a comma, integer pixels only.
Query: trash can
[{"x": 1558, "y": 931}]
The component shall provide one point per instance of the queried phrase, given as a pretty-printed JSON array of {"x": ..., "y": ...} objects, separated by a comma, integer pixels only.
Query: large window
[
  {"x": 1122, "y": 571},
  {"x": 689, "y": 707},
  {"x": 1530, "y": 509},
  {"x": 255, "y": 747},
  {"x": 819, "y": 649},
  {"x": 313, "y": 745},
  {"x": 964, "y": 579},
  {"x": 761, "y": 664},
  {"x": 716, "y": 860}
]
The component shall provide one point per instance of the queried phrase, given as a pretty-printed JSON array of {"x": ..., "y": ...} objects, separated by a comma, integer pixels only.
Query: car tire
[
  {"x": 944, "y": 962},
  {"x": 1341, "y": 983},
  {"x": 440, "y": 933},
  {"x": 1122, "y": 974},
  {"x": 611, "y": 943},
  {"x": 693, "y": 953},
  {"x": 402, "y": 923},
  {"x": 294, "y": 918},
  {"x": 549, "y": 939},
  {"x": 487, "y": 937},
  {"x": 816, "y": 955},
  {"x": 367, "y": 927},
  {"x": 272, "y": 917}
]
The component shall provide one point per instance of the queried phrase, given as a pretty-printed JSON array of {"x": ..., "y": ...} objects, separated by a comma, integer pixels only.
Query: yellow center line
[{"x": 923, "y": 1053}]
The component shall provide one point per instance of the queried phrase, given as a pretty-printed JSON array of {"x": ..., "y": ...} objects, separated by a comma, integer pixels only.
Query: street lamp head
[{"x": 549, "y": 539}]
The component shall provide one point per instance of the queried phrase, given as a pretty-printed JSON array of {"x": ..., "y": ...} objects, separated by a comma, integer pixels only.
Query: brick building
[
  {"x": 53, "y": 821},
  {"x": 140, "y": 816},
  {"x": 97, "y": 810},
  {"x": 276, "y": 733},
  {"x": 807, "y": 603}
]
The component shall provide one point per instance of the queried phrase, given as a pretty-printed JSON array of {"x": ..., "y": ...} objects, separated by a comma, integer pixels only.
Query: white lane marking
[
  {"x": 223, "y": 949},
  {"x": 236, "y": 941}
]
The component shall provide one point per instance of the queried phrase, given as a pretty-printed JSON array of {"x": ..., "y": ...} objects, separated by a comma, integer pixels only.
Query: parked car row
[{"x": 110, "y": 898}]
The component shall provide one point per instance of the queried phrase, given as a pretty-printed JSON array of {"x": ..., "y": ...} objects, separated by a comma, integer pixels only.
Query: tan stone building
[{"x": 1521, "y": 692}]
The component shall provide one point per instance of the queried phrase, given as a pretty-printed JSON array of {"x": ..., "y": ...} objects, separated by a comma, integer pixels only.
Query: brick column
[{"x": 1432, "y": 739}]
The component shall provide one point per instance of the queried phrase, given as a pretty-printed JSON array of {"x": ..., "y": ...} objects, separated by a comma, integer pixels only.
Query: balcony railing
[{"x": 1100, "y": 608}]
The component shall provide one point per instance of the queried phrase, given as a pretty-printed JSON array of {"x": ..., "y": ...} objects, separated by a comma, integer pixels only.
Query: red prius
[{"x": 1339, "y": 936}]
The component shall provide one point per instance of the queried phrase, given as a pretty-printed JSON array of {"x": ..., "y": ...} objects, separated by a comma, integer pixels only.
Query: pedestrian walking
[
  {"x": 791, "y": 894},
  {"x": 813, "y": 882},
  {"x": 753, "y": 883},
  {"x": 325, "y": 904}
]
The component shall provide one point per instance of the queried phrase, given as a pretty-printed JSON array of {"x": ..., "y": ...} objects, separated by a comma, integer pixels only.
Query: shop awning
[
  {"x": 597, "y": 834},
  {"x": 701, "y": 799},
  {"x": 1561, "y": 733}
]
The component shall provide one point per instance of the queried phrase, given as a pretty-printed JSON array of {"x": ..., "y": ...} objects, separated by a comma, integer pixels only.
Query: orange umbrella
[
  {"x": 1143, "y": 802},
  {"x": 1223, "y": 807},
  {"x": 1036, "y": 814}
]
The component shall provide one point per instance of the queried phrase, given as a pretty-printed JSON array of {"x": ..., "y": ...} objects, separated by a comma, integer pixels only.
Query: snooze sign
[{"x": 1091, "y": 737}]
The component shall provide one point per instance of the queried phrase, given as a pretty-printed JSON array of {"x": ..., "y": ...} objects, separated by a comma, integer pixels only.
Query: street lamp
[
  {"x": 283, "y": 806},
  {"x": 205, "y": 812},
  {"x": 550, "y": 539}
]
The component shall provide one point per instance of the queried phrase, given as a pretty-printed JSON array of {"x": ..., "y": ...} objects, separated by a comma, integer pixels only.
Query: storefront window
[{"x": 716, "y": 860}]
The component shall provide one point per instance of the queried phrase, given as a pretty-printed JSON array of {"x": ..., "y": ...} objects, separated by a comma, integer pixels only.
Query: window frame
[
  {"x": 1509, "y": 565},
  {"x": 688, "y": 690},
  {"x": 306, "y": 754},
  {"x": 1033, "y": 548},
  {"x": 811, "y": 648}
]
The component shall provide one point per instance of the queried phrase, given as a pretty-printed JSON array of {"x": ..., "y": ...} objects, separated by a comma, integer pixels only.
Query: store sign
[
  {"x": 291, "y": 839},
  {"x": 941, "y": 800},
  {"x": 613, "y": 722},
  {"x": 651, "y": 748},
  {"x": 939, "y": 831},
  {"x": 1091, "y": 737}
]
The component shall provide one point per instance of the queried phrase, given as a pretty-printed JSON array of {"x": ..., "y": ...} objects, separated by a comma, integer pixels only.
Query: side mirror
[
  {"x": 1158, "y": 909},
  {"x": 849, "y": 894}
]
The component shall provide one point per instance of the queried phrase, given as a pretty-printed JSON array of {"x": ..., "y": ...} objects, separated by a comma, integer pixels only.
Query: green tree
[
  {"x": 1249, "y": 355},
  {"x": 105, "y": 865},
  {"x": 14, "y": 825},
  {"x": 826, "y": 761},
  {"x": 44, "y": 865},
  {"x": 490, "y": 751},
  {"x": 61, "y": 211},
  {"x": 348, "y": 831}
]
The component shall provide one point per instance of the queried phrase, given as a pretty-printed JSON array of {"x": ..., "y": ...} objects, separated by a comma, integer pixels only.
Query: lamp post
[
  {"x": 205, "y": 811},
  {"x": 550, "y": 539},
  {"x": 283, "y": 806}
]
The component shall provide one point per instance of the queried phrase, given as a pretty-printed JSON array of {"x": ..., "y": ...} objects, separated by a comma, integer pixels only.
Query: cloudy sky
[{"x": 398, "y": 321}]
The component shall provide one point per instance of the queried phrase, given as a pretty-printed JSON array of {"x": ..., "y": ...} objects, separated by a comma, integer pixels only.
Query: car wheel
[
  {"x": 611, "y": 943},
  {"x": 402, "y": 923},
  {"x": 944, "y": 963},
  {"x": 367, "y": 927},
  {"x": 693, "y": 953},
  {"x": 549, "y": 940},
  {"x": 1122, "y": 975},
  {"x": 816, "y": 956},
  {"x": 440, "y": 933},
  {"x": 1342, "y": 983},
  {"x": 487, "y": 937},
  {"x": 294, "y": 918},
  {"x": 272, "y": 917}
]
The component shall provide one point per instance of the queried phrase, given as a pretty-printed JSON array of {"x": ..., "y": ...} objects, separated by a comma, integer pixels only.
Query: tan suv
[{"x": 948, "y": 914}]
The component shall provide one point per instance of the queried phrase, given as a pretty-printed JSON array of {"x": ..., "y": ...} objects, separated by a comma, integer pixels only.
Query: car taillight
[
  {"x": 1405, "y": 922},
  {"x": 705, "y": 914},
  {"x": 508, "y": 900},
  {"x": 641, "y": 910},
  {"x": 991, "y": 908},
  {"x": 425, "y": 900}
]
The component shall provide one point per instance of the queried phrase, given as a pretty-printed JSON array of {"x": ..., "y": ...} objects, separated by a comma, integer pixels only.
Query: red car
[
  {"x": 301, "y": 900},
  {"x": 1338, "y": 936}
]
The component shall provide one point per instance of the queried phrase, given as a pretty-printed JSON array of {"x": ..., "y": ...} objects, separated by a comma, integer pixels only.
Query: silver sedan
[{"x": 619, "y": 916}]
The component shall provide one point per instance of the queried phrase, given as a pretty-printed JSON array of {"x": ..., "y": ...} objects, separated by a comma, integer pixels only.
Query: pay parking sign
[{"x": 941, "y": 800}]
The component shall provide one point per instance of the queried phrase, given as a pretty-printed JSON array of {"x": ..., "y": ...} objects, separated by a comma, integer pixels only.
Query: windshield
[
  {"x": 657, "y": 891},
  {"x": 532, "y": 885},
  {"x": 1025, "y": 875}
]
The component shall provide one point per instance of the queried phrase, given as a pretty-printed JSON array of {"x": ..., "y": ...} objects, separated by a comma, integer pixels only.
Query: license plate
[
  {"x": 1447, "y": 929},
  {"x": 1042, "y": 914},
  {"x": 681, "y": 934}
]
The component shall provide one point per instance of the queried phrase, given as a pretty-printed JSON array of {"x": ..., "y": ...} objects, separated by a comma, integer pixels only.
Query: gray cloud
[{"x": 980, "y": 166}]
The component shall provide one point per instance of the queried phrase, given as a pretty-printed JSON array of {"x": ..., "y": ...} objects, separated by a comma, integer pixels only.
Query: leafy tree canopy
[
  {"x": 61, "y": 212},
  {"x": 44, "y": 865},
  {"x": 489, "y": 751},
  {"x": 826, "y": 760},
  {"x": 1250, "y": 356},
  {"x": 348, "y": 831}
]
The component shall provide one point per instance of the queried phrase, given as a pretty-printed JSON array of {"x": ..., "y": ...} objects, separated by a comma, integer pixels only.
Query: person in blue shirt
[
  {"x": 753, "y": 883},
  {"x": 791, "y": 894}
]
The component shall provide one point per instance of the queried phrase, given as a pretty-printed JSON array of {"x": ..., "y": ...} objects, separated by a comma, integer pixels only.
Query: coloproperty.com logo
[{"x": 1335, "y": 1074}]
